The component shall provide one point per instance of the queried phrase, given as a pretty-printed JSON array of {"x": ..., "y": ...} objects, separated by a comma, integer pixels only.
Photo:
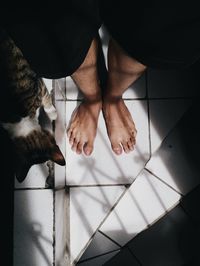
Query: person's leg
[
  {"x": 83, "y": 125},
  {"x": 122, "y": 72}
]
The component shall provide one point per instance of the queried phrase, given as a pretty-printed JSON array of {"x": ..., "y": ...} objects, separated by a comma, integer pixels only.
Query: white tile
[
  {"x": 103, "y": 166},
  {"x": 177, "y": 160},
  {"x": 60, "y": 89},
  {"x": 88, "y": 207},
  {"x": 144, "y": 202},
  {"x": 99, "y": 261},
  {"x": 99, "y": 245},
  {"x": 164, "y": 114},
  {"x": 48, "y": 83},
  {"x": 62, "y": 228},
  {"x": 60, "y": 137},
  {"x": 33, "y": 228},
  {"x": 172, "y": 83},
  {"x": 35, "y": 178}
]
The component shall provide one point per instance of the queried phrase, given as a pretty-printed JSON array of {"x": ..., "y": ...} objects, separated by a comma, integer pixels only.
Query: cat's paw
[{"x": 51, "y": 112}]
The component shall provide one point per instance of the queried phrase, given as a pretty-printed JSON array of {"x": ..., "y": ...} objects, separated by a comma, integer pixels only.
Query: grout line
[
  {"x": 148, "y": 115},
  {"x": 54, "y": 193},
  {"x": 54, "y": 228},
  {"x": 193, "y": 221},
  {"x": 99, "y": 185},
  {"x": 163, "y": 181},
  {"x": 125, "y": 99},
  {"x": 68, "y": 238},
  {"x": 69, "y": 100},
  {"x": 136, "y": 99},
  {"x": 65, "y": 143},
  {"x": 33, "y": 188},
  {"x": 135, "y": 257},
  {"x": 116, "y": 243},
  {"x": 97, "y": 256}
]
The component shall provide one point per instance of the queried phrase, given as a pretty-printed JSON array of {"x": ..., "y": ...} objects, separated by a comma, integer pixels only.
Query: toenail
[
  {"x": 118, "y": 151},
  {"x": 87, "y": 152}
]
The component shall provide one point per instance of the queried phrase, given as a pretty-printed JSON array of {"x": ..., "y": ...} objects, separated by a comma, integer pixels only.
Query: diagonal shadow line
[{"x": 91, "y": 167}]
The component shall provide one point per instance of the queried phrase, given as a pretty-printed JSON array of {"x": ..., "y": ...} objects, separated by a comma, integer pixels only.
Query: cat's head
[{"x": 37, "y": 147}]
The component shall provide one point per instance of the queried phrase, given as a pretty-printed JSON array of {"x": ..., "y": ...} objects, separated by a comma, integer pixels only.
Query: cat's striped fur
[{"x": 23, "y": 94}]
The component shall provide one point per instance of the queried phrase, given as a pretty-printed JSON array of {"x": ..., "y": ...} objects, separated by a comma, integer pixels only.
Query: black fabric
[
  {"x": 161, "y": 36},
  {"x": 54, "y": 40}
]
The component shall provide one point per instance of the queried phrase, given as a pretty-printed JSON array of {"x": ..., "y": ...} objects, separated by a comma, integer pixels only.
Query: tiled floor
[{"x": 102, "y": 202}]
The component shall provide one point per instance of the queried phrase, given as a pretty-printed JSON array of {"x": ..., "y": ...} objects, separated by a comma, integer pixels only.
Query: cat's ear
[
  {"x": 56, "y": 156},
  {"x": 22, "y": 170}
]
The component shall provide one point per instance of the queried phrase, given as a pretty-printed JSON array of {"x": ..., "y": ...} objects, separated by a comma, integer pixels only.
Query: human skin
[{"x": 122, "y": 72}]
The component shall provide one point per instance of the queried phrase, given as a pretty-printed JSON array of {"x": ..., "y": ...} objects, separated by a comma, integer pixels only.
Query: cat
[{"x": 23, "y": 94}]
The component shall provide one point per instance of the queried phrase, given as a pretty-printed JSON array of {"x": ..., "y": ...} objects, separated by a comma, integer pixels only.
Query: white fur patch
[
  {"x": 51, "y": 112},
  {"x": 22, "y": 128}
]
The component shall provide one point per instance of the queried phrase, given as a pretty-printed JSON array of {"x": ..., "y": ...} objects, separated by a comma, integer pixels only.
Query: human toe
[
  {"x": 79, "y": 148},
  {"x": 116, "y": 147},
  {"x": 88, "y": 148},
  {"x": 125, "y": 146}
]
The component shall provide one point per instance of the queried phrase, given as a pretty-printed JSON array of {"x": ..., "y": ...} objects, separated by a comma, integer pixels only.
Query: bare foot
[
  {"x": 83, "y": 127},
  {"x": 120, "y": 126}
]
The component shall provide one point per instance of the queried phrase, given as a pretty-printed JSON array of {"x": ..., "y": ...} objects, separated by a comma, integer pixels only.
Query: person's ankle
[
  {"x": 109, "y": 97},
  {"x": 93, "y": 100}
]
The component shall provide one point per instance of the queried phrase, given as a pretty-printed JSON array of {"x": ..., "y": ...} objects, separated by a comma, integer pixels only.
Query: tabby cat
[{"x": 23, "y": 94}]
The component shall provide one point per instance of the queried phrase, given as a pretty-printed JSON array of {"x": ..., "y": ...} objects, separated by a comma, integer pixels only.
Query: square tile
[
  {"x": 164, "y": 114},
  {"x": 33, "y": 228},
  {"x": 170, "y": 241},
  {"x": 124, "y": 257},
  {"x": 146, "y": 201},
  {"x": 177, "y": 160},
  {"x": 99, "y": 261},
  {"x": 173, "y": 83},
  {"x": 103, "y": 166},
  {"x": 99, "y": 246},
  {"x": 88, "y": 208}
]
